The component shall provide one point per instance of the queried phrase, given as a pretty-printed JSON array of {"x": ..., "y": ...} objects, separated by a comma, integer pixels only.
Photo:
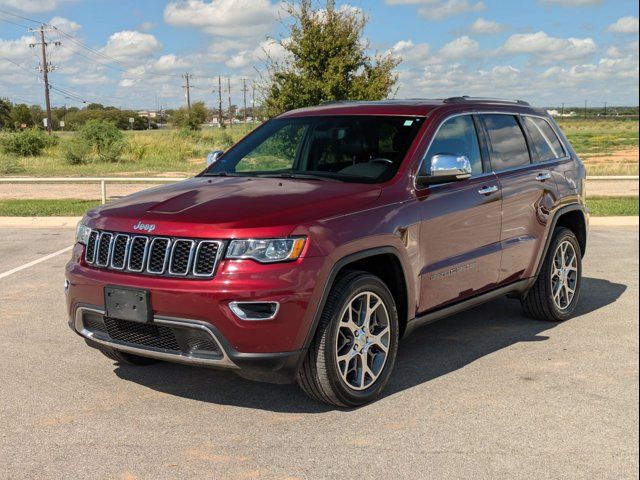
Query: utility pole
[
  {"x": 253, "y": 101},
  {"x": 187, "y": 88},
  {"x": 562, "y": 110},
  {"x": 45, "y": 67},
  {"x": 229, "y": 91},
  {"x": 220, "y": 116},
  {"x": 585, "y": 109},
  {"x": 244, "y": 94},
  {"x": 605, "y": 109}
]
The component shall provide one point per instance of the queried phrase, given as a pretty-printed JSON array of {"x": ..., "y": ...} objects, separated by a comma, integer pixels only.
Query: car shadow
[{"x": 430, "y": 352}]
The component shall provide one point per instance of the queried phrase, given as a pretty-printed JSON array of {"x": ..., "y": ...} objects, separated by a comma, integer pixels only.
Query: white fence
[{"x": 103, "y": 181}]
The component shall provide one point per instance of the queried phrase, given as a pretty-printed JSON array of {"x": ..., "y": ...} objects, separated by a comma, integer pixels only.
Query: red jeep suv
[{"x": 308, "y": 249}]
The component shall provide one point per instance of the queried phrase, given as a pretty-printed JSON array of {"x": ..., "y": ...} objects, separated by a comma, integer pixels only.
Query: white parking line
[{"x": 35, "y": 262}]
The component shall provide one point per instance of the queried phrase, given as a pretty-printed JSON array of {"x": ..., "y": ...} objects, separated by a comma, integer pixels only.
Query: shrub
[
  {"x": 28, "y": 143},
  {"x": 10, "y": 165},
  {"x": 77, "y": 151},
  {"x": 96, "y": 140}
]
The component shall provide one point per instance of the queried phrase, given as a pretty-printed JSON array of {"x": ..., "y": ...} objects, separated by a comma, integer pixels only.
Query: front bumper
[{"x": 198, "y": 310}]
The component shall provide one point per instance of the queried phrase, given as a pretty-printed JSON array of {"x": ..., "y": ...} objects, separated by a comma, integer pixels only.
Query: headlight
[
  {"x": 82, "y": 233},
  {"x": 266, "y": 250}
]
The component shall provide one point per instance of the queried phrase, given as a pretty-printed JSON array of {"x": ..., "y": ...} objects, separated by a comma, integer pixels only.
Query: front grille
[
  {"x": 155, "y": 336},
  {"x": 152, "y": 255}
]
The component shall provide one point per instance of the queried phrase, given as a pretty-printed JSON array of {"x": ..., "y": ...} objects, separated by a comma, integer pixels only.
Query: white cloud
[
  {"x": 246, "y": 58},
  {"x": 64, "y": 24},
  {"x": 31, "y": 6},
  {"x": 548, "y": 49},
  {"x": 462, "y": 47},
  {"x": 625, "y": 25},
  {"x": 450, "y": 8},
  {"x": 17, "y": 49},
  {"x": 411, "y": 52},
  {"x": 146, "y": 26},
  {"x": 571, "y": 3},
  {"x": 130, "y": 45},
  {"x": 170, "y": 63},
  {"x": 486, "y": 27},
  {"x": 230, "y": 18},
  {"x": 440, "y": 9}
]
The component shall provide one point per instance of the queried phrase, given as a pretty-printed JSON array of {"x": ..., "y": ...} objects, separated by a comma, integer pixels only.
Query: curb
[
  {"x": 629, "y": 221},
  {"x": 71, "y": 222},
  {"x": 39, "y": 222}
]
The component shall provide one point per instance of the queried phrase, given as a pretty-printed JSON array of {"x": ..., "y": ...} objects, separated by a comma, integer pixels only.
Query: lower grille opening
[{"x": 156, "y": 336}]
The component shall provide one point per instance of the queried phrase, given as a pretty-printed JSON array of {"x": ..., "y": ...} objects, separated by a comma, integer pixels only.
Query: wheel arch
[
  {"x": 384, "y": 262},
  {"x": 574, "y": 217}
]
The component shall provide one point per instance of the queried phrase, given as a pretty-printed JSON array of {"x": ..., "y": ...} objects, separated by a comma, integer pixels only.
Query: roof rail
[{"x": 467, "y": 98}]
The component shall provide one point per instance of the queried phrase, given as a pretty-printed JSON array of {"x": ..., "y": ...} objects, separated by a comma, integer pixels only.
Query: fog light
[
  {"x": 66, "y": 286},
  {"x": 255, "y": 310}
]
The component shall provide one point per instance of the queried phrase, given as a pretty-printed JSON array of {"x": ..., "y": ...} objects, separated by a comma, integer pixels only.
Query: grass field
[
  {"x": 599, "y": 207},
  {"x": 608, "y": 147}
]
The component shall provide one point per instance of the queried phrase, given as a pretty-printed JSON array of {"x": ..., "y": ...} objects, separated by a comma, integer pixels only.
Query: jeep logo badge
[{"x": 147, "y": 227}]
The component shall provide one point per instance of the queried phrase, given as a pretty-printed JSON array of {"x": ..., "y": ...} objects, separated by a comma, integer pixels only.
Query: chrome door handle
[
  {"x": 488, "y": 190},
  {"x": 541, "y": 177}
]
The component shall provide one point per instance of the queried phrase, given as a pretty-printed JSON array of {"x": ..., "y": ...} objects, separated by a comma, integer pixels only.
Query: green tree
[
  {"x": 190, "y": 119},
  {"x": 20, "y": 114},
  {"x": 5, "y": 113},
  {"x": 326, "y": 60}
]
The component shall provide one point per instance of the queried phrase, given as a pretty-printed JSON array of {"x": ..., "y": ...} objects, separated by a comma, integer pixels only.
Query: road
[{"x": 485, "y": 394}]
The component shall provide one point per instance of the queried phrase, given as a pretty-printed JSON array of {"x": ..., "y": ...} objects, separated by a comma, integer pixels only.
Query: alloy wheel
[
  {"x": 564, "y": 275},
  {"x": 362, "y": 340}
]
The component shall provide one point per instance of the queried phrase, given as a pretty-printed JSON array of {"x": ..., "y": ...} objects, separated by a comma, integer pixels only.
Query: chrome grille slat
[
  {"x": 103, "y": 250},
  {"x": 90, "y": 252},
  {"x": 181, "y": 257},
  {"x": 151, "y": 255},
  {"x": 159, "y": 251},
  {"x": 120, "y": 251}
]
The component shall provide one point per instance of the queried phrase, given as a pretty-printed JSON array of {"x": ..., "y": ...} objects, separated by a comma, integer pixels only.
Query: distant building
[{"x": 148, "y": 113}]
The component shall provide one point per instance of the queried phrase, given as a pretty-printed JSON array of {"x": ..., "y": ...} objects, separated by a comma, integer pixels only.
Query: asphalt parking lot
[{"x": 485, "y": 394}]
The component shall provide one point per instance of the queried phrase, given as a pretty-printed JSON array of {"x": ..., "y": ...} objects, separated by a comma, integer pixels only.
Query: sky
[{"x": 134, "y": 54}]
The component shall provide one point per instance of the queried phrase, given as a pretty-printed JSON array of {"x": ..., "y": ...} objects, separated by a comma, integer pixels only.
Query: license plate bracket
[{"x": 128, "y": 304}]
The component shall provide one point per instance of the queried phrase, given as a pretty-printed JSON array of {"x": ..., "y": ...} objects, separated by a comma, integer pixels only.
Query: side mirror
[
  {"x": 213, "y": 157},
  {"x": 444, "y": 168}
]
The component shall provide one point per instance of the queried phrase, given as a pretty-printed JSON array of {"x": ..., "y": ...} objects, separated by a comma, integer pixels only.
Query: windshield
[{"x": 344, "y": 148}]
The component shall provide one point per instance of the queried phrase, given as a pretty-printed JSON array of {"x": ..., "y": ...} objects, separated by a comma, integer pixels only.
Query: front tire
[
  {"x": 351, "y": 357},
  {"x": 555, "y": 294}
]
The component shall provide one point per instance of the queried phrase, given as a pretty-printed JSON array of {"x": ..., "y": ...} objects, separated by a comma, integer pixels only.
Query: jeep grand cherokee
[{"x": 308, "y": 249}]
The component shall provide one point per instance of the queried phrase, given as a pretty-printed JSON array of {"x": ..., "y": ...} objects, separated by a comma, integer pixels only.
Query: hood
[{"x": 215, "y": 206}]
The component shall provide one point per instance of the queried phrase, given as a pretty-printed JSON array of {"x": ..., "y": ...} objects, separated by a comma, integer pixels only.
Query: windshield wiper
[{"x": 298, "y": 176}]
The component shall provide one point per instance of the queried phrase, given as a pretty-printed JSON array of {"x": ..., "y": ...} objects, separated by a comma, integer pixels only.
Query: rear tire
[
  {"x": 351, "y": 357},
  {"x": 555, "y": 294},
  {"x": 128, "y": 358}
]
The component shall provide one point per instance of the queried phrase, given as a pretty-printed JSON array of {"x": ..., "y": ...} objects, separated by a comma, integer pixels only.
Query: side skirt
[{"x": 518, "y": 288}]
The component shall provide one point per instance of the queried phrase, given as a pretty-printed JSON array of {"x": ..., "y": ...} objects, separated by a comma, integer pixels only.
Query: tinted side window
[
  {"x": 457, "y": 136},
  {"x": 544, "y": 139},
  {"x": 507, "y": 143}
]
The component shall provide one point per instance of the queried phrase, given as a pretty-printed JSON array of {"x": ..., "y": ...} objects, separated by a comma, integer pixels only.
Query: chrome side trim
[{"x": 225, "y": 361}]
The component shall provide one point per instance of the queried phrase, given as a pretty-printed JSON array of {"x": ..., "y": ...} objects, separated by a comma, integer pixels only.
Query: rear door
[
  {"x": 460, "y": 222},
  {"x": 528, "y": 194}
]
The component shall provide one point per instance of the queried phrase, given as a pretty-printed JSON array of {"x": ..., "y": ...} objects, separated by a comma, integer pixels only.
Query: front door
[{"x": 460, "y": 222}]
